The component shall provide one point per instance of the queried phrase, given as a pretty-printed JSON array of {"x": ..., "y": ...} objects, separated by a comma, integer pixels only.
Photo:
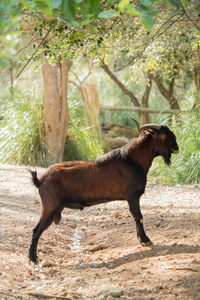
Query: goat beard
[{"x": 167, "y": 159}]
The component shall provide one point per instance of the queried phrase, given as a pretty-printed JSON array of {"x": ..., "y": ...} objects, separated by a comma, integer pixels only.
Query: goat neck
[{"x": 142, "y": 151}]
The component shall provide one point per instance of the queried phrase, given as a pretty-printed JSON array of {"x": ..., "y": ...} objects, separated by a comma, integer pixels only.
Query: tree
[
  {"x": 90, "y": 99},
  {"x": 144, "y": 117},
  {"x": 56, "y": 112},
  {"x": 85, "y": 27},
  {"x": 168, "y": 93},
  {"x": 87, "y": 17},
  {"x": 168, "y": 51}
]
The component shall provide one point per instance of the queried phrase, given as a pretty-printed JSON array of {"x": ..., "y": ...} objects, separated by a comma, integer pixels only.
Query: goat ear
[
  {"x": 162, "y": 136},
  {"x": 151, "y": 131}
]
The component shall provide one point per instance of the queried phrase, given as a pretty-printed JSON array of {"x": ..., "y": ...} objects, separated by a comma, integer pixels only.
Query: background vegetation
[
  {"x": 185, "y": 167},
  {"x": 136, "y": 53}
]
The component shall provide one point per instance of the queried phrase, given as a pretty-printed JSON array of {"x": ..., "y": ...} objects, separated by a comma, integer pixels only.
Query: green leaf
[
  {"x": 29, "y": 4},
  {"x": 85, "y": 21},
  {"x": 92, "y": 6},
  {"x": 56, "y": 3},
  {"x": 107, "y": 14},
  {"x": 147, "y": 20},
  {"x": 68, "y": 9},
  {"x": 122, "y": 4},
  {"x": 44, "y": 6},
  {"x": 174, "y": 3},
  {"x": 75, "y": 23},
  {"x": 149, "y": 11},
  {"x": 153, "y": 11},
  {"x": 132, "y": 11},
  {"x": 146, "y": 3}
]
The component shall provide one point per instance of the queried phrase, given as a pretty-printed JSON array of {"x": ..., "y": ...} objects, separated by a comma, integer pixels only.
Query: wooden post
[
  {"x": 143, "y": 116},
  {"x": 92, "y": 107}
]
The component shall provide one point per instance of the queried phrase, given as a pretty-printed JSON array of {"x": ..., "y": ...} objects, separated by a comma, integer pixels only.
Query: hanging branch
[
  {"x": 79, "y": 87},
  {"x": 33, "y": 53},
  {"x": 134, "y": 100},
  {"x": 167, "y": 94},
  {"x": 158, "y": 33}
]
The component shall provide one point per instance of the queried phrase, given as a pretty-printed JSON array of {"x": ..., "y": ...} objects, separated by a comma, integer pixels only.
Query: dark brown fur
[{"x": 117, "y": 175}]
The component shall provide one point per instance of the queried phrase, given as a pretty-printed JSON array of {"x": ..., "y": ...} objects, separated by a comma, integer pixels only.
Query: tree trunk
[
  {"x": 134, "y": 100},
  {"x": 196, "y": 78},
  {"x": 92, "y": 108},
  {"x": 56, "y": 112},
  {"x": 144, "y": 117},
  {"x": 168, "y": 94},
  {"x": 91, "y": 103}
]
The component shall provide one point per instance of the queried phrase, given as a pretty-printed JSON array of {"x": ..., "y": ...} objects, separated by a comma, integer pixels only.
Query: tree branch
[
  {"x": 33, "y": 53},
  {"x": 145, "y": 97},
  {"x": 161, "y": 87},
  {"x": 89, "y": 72},
  {"x": 76, "y": 85},
  {"x": 76, "y": 77},
  {"x": 164, "y": 27},
  {"x": 134, "y": 100},
  {"x": 167, "y": 94}
]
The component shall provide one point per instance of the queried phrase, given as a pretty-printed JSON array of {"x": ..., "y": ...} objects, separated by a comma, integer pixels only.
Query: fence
[{"x": 141, "y": 109}]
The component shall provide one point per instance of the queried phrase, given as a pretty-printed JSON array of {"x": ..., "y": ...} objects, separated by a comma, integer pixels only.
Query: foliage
[
  {"x": 20, "y": 131},
  {"x": 185, "y": 168},
  {"x": 9, "y": 13},
  {"x": 81, "y": 142},
  {"x": 82, "y": 12},
  {"x": 80, "y": 24},
  {"x": 22, "y": 126}
]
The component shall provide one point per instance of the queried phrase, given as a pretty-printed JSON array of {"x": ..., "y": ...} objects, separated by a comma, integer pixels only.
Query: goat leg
[
  {"x": 44, "y": 222},
  {"x": 134, "y": 208}
]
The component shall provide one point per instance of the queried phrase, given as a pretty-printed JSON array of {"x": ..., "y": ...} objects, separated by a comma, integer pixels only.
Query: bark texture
[
  {"x": 91, "y": 103},
  {"x": 196, "y": 78},
  {"x": 168, "y": 94},
  {"x": 56, "y": 112}
]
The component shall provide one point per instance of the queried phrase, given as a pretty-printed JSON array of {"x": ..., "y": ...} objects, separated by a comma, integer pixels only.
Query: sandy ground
[{"x": 94, "y": 254}]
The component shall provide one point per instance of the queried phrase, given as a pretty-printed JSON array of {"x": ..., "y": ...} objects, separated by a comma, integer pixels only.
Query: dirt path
[{"x": 95, "y": 254}]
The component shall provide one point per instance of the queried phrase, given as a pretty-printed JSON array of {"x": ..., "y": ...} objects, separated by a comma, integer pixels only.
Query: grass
[
  {"x": 185, "y": 167},
  {"x": 82, "y": 141},
  {"x": 20, "y": 130},
  {"x": 23, "y": 126}
]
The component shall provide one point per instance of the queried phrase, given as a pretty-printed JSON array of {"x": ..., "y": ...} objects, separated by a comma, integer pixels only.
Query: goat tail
[{"x": 35, "y": 179}]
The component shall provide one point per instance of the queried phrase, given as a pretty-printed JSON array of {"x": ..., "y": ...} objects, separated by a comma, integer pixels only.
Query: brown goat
[{"x": 117, "y": 175}]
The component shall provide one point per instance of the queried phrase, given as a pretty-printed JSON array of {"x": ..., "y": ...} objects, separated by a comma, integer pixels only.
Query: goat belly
[{"x": 86, "y": 203}]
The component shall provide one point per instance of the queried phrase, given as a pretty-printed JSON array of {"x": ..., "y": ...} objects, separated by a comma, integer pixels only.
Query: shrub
[
  {"x": 82, "y": 142},
  {"x": 185, "y": 168},
  {"x": 19, "y": 133},
  {"x": 23, "y": 125}
]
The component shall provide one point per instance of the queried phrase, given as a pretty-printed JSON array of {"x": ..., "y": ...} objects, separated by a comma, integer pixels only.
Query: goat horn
[
  {"x": 138, "y": 126},
  {"x": 150, "y": 126}
]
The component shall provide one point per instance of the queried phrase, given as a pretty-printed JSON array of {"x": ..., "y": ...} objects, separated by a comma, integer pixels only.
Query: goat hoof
[
  {"x": 33, "y": 260},
  {"x": 147, "y": 244}
]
